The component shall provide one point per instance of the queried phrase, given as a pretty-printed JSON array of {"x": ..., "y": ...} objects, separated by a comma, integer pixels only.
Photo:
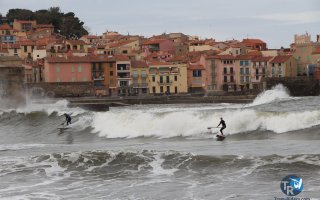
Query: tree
[{"x": 20, "y": 14}]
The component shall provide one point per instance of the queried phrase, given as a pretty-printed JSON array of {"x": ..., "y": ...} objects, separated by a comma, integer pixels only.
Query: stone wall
[
  {"x": 70, "y": 89},
  {"x": 298, "y": 86}
]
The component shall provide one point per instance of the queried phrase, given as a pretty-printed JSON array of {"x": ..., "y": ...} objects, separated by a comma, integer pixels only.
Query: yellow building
[
  {"x": 24, "y": 26},
  {"x": 166, "y": 78},
  {"x": 283, "y": 66},
  {"x": 140, "y": 79}
]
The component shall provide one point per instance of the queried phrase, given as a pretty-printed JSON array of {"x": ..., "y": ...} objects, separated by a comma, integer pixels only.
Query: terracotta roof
[
  {"x": 261, "y": 59},
  {"x": 281, "y": 59},
  {"x": 121, "y": 58},
  {"x": 26, "y": 43},
  {"x": 76, "y": 42},
  {"x": 252, "y": 41},
  {"x": 119, "y": 44},
  {"x": 91, "y": 36},
  {"x": 224, "y": 57},
  {"x": 317, "y": 51},
  {"x": 5, "y": 27},
  {"x": 139, "y": 64}
]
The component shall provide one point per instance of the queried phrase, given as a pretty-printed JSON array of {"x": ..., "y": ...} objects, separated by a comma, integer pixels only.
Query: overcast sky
[{"x": 274, "y": 21}]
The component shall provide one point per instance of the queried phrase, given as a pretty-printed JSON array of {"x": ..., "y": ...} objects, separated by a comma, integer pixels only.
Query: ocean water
[{"x": 161, "y": 151}]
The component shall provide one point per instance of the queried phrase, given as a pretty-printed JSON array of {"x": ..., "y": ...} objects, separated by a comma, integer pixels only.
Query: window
[
  {"x": 241, "y": 70},
  {"x": 176, "y": 89},
  {"x": 167, "y": 79},
  {"x": 161, "y": 79},
  {"x": 241, "y": 79},
  {"x": 25, "y": 48},
  {"x": 231, "y": 70},
  {"x": 247, "y": 79},
  {"x": 231, "y": 79},
  {"x": 175, "y": 78},
  {"x": 110, "y": 65},
  {"x": 73, "y": 79},
  {"x": 72, "y": 69},
  {"x": 57, "y": 68},
  {"x": 225, "y": 70},
  {"x": 153, "y": 89},
  {"x": 84, "y": 79},
  {"x": 80, "y": 68},
  {"x": 196, "y": 73},
  {"x": 161, "y": 89},
  {"x": 111, "y": 73},
  {"x": 153, "y": 79},
  {"x": 247, "y": 71},
  {"x": 168, "y": 89},
  {"x": 58, "y": 79},
  {"x": 225, "y": 79},
  {"x": 124, "y": 51}
]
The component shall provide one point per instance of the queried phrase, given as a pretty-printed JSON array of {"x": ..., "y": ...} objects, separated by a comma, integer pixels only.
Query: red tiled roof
[
  {"x": 121, "y": 58},
  {"x": 157, "y": 63},
  {"x": 5, "y": 27},
  {"x": 317, "y": 51},
  {"x": 118, "y": 44},
  {"x": 26, "y": 43},
  {"x": 76, "y": 42},
  {"x": 139, "y": 64},
  {"x": 281, "y": 59},
  {"x": 261, "y": 59},
  {"x": 77, "y": 59},
  {"x": 252, "y": 41}
]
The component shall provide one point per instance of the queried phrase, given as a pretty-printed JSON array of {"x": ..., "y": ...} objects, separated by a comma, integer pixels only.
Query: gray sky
[{"x": 274, "y": 21}]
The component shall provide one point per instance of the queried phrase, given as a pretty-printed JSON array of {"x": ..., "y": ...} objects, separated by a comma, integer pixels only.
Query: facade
[
  {"x": 124, "y": 79},
  {"x": 283, "y": 66},
  {"x": 158, "y": 45},
  {"x": 27, "y": 48},
  {"x": 196, "y": 78},
  {"x": 225, "y": 72},
  {"x": 259, "y": 70},
  {"x": 139, "y": 73},
  {"x": 61, "y": 69},
  {"x": 24, "y": 25},
  {"x": 166, "y": 78}
]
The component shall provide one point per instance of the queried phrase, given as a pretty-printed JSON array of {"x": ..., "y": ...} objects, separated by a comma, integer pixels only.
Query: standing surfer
[
  {"x": 68, "y": 119},
  {"x": 223, "y": 123}
]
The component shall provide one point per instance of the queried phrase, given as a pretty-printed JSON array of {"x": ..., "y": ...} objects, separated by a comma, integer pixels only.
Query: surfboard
[
  {"x": 63, "y": 128},
  {"x": 220, "y": 137}
]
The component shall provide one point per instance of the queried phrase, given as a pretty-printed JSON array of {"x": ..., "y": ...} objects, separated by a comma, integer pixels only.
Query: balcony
[
  {"x": 165, "y": 83},
  {"x": 98, "y": 78}
]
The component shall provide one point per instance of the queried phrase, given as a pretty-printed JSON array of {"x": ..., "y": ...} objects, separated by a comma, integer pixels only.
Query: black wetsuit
[
  {"x": 223, "y": 123},
  {"x": 68, "y": 119}
]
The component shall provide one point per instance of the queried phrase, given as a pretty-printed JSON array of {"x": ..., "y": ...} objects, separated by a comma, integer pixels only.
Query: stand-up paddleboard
[{"x": 220, "y": 137}]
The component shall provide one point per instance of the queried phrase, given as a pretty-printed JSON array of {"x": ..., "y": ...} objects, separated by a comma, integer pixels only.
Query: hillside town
[{"x": 115, "y": 64}]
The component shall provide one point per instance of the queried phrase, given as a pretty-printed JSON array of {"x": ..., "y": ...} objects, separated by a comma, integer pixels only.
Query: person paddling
[
  {"x": 223, "y": 123},
  {"x": 68, "y": 119}
]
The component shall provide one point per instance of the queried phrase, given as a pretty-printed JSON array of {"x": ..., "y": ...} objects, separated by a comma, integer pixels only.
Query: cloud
[{"x": 293, "y": 18}]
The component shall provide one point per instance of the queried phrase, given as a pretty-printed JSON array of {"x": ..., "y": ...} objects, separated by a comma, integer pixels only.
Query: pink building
[
  {"x": 71, "y": 69},
  {"x": 158, "y": 45},
  {"x": 197, "y": 76},
  {"x": 225, "y": 72}
]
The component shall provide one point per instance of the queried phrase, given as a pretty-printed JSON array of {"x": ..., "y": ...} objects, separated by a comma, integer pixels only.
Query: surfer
[
  {"x": 223, "y": 123},
  {"x": 68, "y": 119}
]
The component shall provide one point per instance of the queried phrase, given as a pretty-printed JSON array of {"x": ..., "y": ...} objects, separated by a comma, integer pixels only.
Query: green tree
[{"x": 20, "y": 14}]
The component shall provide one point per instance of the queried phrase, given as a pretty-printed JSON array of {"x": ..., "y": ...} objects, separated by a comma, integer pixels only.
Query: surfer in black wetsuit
[
  {"x": 223, "y": 123},
  {"x": 68, "y": 118}
]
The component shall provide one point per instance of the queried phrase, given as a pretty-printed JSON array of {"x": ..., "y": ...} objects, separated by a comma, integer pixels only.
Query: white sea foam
[{"x": 278, "y": 92}]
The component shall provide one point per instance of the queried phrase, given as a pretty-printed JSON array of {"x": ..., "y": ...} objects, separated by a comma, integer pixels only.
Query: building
[
  {"x": 67, "y": 69},
  {"x": 139, "y": 71},
  {"x": 259, "y": 66},
  {"x": 255, "y": 44},
  {"x": 24, "y": 25},
  {"x": 283, "y": 66},
  {"x": 158, "y": 45},
  {"x": 166, "y": 78},
  {"x": 6, "y": 34},
  {"x": 123, "y": 71}
]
